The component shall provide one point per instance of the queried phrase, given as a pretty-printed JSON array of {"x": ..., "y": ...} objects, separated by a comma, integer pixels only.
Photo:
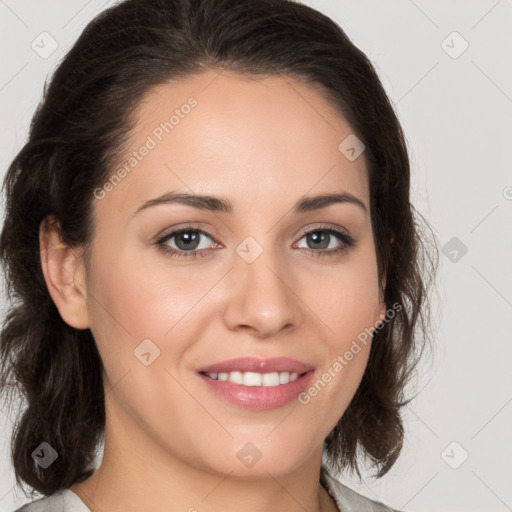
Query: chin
[{"x": 257, "y": 460}]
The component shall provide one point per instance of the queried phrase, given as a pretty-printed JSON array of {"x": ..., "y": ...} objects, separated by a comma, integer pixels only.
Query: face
[{"x": 252, "y": 277}]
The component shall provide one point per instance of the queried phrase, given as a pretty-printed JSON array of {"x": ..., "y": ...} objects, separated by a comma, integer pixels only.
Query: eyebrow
[{"x": 223, "y": 205}]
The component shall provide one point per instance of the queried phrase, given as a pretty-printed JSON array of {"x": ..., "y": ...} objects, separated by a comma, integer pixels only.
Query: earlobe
[{"x": 64, "y": 274}]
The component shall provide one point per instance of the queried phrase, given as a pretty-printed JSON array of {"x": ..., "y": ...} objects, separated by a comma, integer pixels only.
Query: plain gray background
[{"x": 456, "y": 110}]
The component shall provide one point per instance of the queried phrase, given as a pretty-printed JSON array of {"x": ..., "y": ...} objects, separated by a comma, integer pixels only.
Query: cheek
[
  {"x": 345, "y": 297},
  {"x": 128, "y": 301},
  {"x": 132, "y": 285},
  {"x": 137, "y": 295},
  {"x": 348, "y": 308}
]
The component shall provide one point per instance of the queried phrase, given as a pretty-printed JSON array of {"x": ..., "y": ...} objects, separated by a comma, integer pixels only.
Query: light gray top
[
  {"x": 346, "y": 499},
  {"x": 62, "y": 501},
  {"x": 349, "y": 500}
]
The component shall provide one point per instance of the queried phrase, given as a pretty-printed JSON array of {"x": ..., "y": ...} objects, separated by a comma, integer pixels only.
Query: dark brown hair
[{"x": 77, "y": 134}]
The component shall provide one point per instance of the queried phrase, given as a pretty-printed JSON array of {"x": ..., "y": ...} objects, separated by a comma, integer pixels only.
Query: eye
[
  {"x": 320, "y": 239},
  {"x": 185, "y": 243}
]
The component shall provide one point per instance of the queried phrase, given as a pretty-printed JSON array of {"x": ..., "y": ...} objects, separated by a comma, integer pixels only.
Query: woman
[{"x": 216, "y": 268}]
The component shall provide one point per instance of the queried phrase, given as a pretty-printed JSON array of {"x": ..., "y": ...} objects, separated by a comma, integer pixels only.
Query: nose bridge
[{"x": 261, "y": 297}]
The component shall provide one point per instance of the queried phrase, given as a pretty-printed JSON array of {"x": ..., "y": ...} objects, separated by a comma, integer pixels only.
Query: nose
[{"x": 262, "y": 299}]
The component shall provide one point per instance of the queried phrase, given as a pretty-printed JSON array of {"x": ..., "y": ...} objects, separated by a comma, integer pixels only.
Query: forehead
[{"x": 251, "y": 138}]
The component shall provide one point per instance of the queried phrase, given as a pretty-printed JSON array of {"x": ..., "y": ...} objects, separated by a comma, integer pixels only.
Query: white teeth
[
  {"x": 255, "y": 379},
  {"x": 270, "y": 379},
  {"x": 236, "y": 377},
  {"x": 252, "y": 379}
]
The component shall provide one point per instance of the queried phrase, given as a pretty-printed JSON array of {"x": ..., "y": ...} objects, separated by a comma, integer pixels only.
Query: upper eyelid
[{"x": 177, "y": 231}]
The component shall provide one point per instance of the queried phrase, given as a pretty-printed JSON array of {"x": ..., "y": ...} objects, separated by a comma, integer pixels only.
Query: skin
[{"x": 263, "y": 144}]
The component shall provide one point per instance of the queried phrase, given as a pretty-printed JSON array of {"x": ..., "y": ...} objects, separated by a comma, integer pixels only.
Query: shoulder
[
  {"x": 62, "y": 501},
  {"x": 349, "y": 500}
]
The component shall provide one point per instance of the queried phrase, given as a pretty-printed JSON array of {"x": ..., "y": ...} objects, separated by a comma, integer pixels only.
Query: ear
[{"x": 64, "y": 273}]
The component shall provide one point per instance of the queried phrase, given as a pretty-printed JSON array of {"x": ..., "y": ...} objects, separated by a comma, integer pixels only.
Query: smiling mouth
[
  {"x": 254, "y": 379},
  {"x": 257, "y": 390},
  {"x": 257, "y": 383}
]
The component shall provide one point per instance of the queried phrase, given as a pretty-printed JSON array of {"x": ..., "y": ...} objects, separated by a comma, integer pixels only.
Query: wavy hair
[{"x": 77, "y": 134}]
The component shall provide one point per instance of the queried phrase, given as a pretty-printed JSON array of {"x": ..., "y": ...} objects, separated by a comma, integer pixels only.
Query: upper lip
[{"x": 258, "y": 365}]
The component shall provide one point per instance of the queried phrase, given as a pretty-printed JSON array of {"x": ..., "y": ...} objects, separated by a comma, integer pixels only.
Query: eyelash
[{"x": 346, "y": 239}]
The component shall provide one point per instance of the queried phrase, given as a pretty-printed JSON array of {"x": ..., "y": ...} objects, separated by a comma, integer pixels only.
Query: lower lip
[{"x": 259, "y": 397}]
